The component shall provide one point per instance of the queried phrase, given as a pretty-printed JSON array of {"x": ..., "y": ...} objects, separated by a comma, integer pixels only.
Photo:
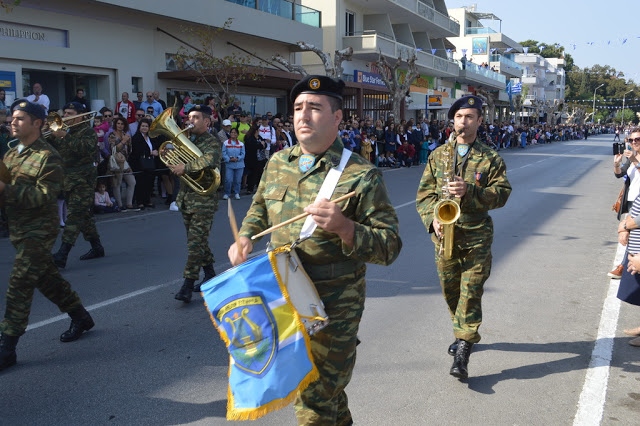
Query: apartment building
[
  {"x": 543, "y": 85},
  {"x": 393, "y": 28},
  {"x": 109, "y": 47},
  {"x": 485, "y": 56}
]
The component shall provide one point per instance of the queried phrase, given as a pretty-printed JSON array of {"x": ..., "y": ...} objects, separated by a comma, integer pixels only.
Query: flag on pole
[
  {"x": 516, "y": 88},
  {"x": 270, "y": 352}
]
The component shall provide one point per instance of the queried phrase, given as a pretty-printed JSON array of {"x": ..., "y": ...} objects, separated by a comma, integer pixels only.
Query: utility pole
[{"x": 593, "y": 117}]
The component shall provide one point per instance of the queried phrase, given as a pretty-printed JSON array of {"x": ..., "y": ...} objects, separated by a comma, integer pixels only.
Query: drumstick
[
  {"x": 300, "y": 216},
  {"x": 232, "y": 223}
]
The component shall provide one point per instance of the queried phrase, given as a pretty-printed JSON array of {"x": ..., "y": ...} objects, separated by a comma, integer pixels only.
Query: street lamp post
[
  {"x": 623, "y": 98},
  {"x": 593, "y": 117}
]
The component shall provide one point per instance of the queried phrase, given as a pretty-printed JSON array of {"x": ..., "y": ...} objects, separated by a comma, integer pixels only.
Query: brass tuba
[
  {"x": 447, "y": 210},
  {"x": 180, "y": 150}
]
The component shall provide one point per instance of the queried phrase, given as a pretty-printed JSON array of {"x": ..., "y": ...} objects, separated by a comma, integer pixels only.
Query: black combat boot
[
  {"x": 461, "y": 360},
  {"x": 7, "y": 350},
  {"x": 208, "y": 274},
  {"x": 96, "y": 250},
  {"x": 186, "y": 290},
  {"x": 60, "y": 258},
  {"x": 453, "y": 347},
  {"x": 81, "y": 321}
]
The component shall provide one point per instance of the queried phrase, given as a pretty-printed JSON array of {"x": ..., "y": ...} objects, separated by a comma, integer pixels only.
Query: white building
[
  {"x": 109, "y": 47},
  {"x": 476, "y": 45},
  {"x": 394, "y": 28},
  {"x": 543, "y": 84}
]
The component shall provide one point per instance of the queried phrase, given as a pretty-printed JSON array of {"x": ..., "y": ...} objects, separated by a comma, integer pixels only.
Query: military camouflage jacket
[
  {"x": 30, "y": 197},
  {"x": 487, "y": 185},
  {"x": 285, "y": 191},
  {"x": 78, "y": 151},
  {"x": 211, "y": 149}
]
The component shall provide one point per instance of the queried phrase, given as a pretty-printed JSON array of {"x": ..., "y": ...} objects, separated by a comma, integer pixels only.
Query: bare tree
[
  {"x": 489, "y": 98},
  {"x": 332, "y": 69},
  {"x": 392, "y": 79},
  {"x": 221, "y": 73}
]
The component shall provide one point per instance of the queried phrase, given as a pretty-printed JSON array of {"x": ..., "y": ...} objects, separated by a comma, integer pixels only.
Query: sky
[{"x": 570, "y": 22}]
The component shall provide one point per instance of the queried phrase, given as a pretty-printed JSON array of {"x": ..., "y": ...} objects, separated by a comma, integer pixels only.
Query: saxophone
[{"x": 447, "y": 210}]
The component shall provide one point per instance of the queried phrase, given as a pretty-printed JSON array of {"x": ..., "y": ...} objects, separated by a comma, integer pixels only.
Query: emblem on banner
[{"x": 251, "y": 329}]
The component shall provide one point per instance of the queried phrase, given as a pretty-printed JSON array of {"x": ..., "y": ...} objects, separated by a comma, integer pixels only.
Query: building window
[
  {"x": 350, "y": 24},
  {"x": 136, "y": 84}
]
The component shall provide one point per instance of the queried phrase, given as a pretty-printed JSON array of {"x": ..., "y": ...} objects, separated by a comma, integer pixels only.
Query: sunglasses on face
[
  {"x": 108, "y": 116},
  {"x": 139, "y": 115},
  {"x": 636, "y": 140}
]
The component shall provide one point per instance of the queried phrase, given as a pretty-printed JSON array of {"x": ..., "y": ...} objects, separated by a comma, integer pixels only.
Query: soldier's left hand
[
  {"x": 458, "y": 187},
  {"x": 177, "y": 170},
  {"x": 329, "y": 217},
  {"x": 59, "y": 134}
]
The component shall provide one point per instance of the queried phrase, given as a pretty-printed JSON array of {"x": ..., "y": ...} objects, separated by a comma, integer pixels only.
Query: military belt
[
  {"x": 473, "y": 217},
  {"x": 332, "y": 270}
]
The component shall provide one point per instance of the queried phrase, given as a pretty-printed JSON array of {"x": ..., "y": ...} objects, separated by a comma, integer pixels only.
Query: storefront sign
[
  {"x": 368, "y": 78},
  {"x": 32, "y": 34}
]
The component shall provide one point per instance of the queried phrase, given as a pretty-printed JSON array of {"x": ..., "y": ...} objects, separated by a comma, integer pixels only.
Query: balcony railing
[
  {"x": 428, "y": 12},
  {"x": 486, "y": 72},
  {"x": 480, "y": 30},
  {"x": 506, "y": 61},
  {"x": 286, "y": 9}
]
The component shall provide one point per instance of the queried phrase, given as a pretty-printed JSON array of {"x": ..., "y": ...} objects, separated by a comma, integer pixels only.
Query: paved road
[{"x": 153, "y": 360}]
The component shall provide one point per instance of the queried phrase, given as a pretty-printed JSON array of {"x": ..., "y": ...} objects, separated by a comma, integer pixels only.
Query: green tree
[{"x": 629, "y": 116}]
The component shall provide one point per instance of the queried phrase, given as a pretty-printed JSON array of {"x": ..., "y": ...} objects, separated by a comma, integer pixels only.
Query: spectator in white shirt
[{"x": 39, "y": 98}]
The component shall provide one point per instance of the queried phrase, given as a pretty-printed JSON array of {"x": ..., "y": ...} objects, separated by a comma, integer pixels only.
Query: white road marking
[
  {"x": 594, "y": 392},
  {"x": 105, "y": 303},
  {"x": 405, "y": 204}
]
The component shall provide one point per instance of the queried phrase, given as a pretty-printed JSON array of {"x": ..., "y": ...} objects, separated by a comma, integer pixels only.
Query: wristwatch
[{"x": 625, "y": 226}]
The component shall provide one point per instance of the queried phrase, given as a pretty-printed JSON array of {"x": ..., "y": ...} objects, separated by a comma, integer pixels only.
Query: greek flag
[
  {"x": 517, "y": 88},
  {"x": 270, "y": 352}
]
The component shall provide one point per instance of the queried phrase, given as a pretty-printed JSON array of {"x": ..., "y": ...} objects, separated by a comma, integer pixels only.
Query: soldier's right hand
[
  {"x": 59, "y": 133},
  {"x": 239, "y": 251}
]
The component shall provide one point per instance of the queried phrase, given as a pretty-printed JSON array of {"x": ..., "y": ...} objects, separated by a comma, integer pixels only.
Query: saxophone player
[{"x": 479, "y": 184}]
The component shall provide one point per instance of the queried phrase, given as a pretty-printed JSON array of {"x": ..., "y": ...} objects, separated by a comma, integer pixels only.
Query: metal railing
[
  {"x": 506, "y": 61},
  {"x": 479, "y": 30},
  {"x": 486, "y": 72},
  {"x": 286, "y": 9},
  {"x": 429, "y": 12}
]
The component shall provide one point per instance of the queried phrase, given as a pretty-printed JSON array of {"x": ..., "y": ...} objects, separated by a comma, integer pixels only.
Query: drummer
[{"x": 363, "y": 229}]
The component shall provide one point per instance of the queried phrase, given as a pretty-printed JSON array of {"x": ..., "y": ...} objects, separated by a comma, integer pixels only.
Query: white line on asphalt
[
  {"x": 105, "y": 303},
  {"x": 594, "y": 391},
  {"x": 124, "y": 216},
  {"x": 133, "y": 293},
  {"x": 404, "y": 205}
]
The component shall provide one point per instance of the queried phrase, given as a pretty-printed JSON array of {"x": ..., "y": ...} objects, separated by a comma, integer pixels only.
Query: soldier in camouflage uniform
[
  {"x": 79, "y": 149},
  {"x": 363, "y": 229},
  {"x": 29, "y": 197},
  {"x": 480, "y": 184},
  {"x": 198, "y": 210}
]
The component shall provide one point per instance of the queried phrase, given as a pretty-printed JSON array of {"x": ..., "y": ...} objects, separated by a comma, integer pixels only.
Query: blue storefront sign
[{"x": 368, "y": 78}]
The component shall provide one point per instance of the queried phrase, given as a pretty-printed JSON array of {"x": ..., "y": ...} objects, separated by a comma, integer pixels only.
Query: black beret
[
  {"x": 201, "y": 108},
  {"x": 318, "y": 85},
  {"x": 468, "y": 101},
  {"x": 74, "y": 105},
  {"x": 29, "y": 107}
]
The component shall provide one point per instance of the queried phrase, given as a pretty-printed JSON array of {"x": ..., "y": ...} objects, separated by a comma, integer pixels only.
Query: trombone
[{"x": 55, "y": 122}]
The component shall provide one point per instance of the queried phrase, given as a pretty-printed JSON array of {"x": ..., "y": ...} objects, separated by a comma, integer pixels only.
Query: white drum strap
[{"x": 326, "y": 191}]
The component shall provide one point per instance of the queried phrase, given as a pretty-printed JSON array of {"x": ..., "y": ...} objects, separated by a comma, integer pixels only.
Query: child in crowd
[
  {"x": 102, "y": 202},
  {"x": 366, "y": 146},
  {"x": 382, "y": 160},
  {"x": 101, "y": 127},
  {"x": 424, "y": 150}
]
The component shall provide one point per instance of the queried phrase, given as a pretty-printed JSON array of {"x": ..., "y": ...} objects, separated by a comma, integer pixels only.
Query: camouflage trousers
[
  {"x": 34, "y": 268},
  {"x": 463, "y": 276},
  {"x": 333, "y": 348},
  {"x": 198, "y": 226},
  {"x": 80, "y": 214}
]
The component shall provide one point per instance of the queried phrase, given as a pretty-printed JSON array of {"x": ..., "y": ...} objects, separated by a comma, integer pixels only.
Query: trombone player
[
  {"x": 479, "y": 184},
  {"x": 77, "y": 144},
  {"x": 29, "y": 196},
  {"x": 197, "y": 209}
]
